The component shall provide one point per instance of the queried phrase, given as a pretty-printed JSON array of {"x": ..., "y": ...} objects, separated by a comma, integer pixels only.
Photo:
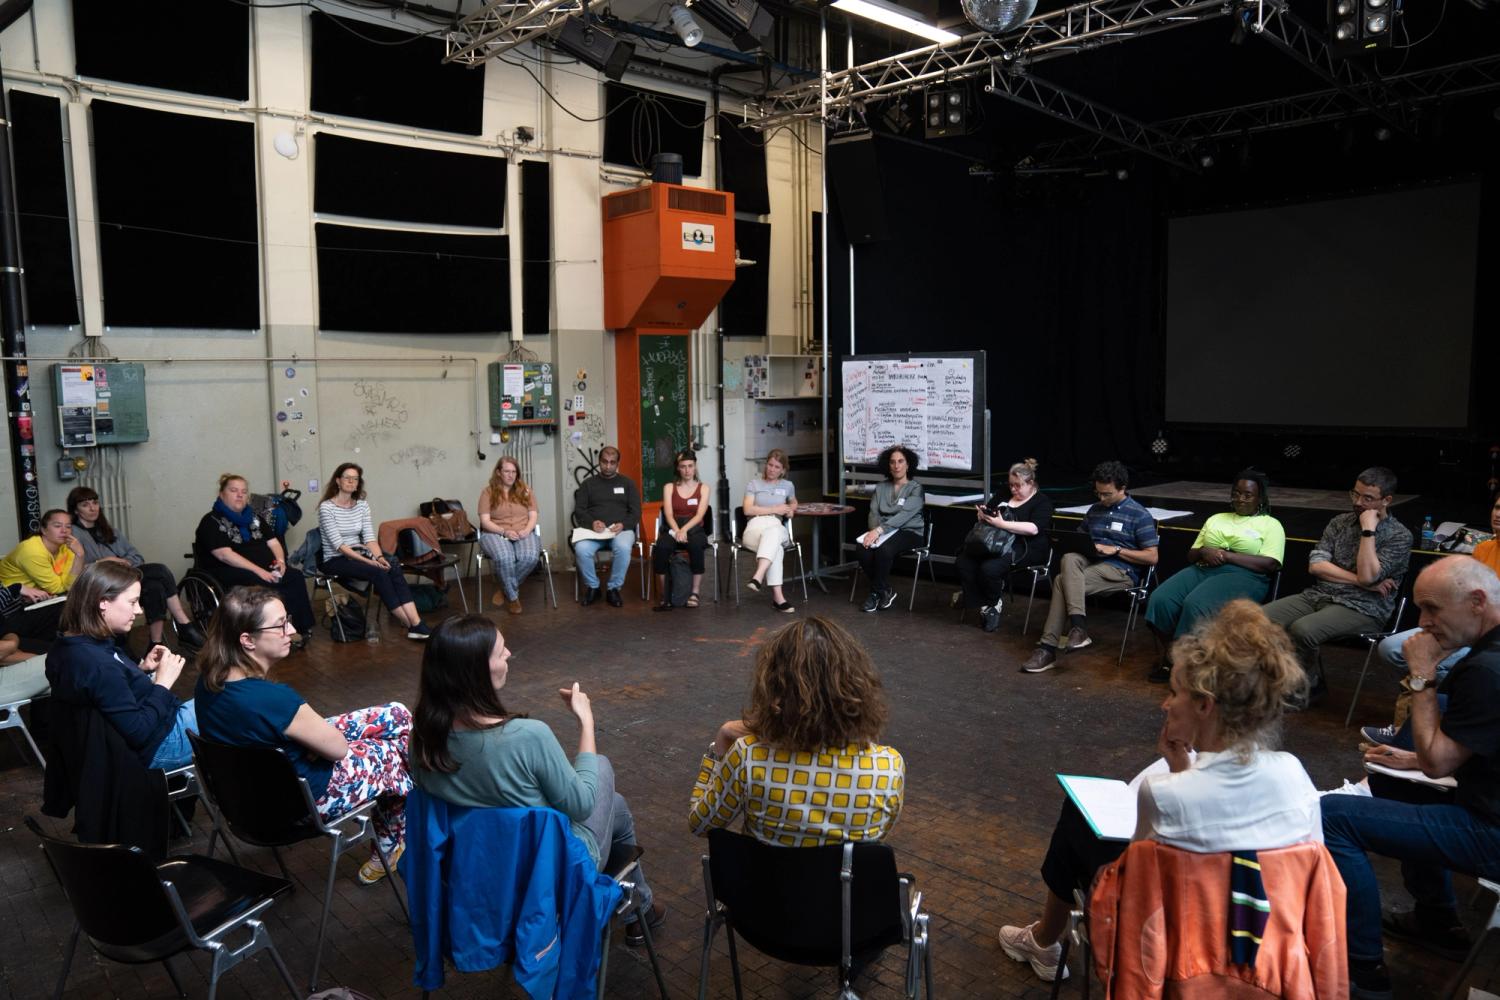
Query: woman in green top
[
  {"x": 1234, "y": 555},
  {"x": 469, "y": 750}
]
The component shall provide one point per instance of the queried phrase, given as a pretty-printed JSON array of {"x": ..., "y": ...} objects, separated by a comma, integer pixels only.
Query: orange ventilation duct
[{"x": 668, "y": 256}]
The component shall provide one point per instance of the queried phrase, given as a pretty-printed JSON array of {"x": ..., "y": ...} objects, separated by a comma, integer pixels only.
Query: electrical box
[
  {"x": 522, "y": 394},
  {"x": 100, "y": 403}
]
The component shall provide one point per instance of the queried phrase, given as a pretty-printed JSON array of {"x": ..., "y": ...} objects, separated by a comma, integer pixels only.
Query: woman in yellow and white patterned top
[{"x": 803, "y": 767}]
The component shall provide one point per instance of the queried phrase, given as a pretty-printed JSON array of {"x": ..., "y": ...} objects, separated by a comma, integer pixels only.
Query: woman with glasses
[
  {"x": 347, "y": 759},
  {"x": 507, "y": 531},
  {"x": 350, "y": 548},
  {"x": 1235, "y": 555},
  {"x": 238, "y": 549}
]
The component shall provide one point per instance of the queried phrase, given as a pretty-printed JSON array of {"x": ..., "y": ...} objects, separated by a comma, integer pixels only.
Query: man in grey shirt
[
  {"x": 1358, "y": 563},
  {"x": 608, "y": 502}
]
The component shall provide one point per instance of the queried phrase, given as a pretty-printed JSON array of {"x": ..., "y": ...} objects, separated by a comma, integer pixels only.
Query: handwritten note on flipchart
[{"x": 926, "y": 404}]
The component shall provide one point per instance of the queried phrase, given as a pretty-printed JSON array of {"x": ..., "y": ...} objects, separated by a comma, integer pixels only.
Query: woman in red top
[{"x": 684, "y": 505}]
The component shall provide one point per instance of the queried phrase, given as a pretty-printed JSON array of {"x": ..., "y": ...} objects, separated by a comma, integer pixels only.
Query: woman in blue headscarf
[{"x": 234, "y": 546}]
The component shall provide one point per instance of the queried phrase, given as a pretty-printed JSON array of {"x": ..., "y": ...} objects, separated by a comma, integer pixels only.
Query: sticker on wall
[
  {"x": 281, "y": 416},
  {"x": 290, "y": 402},
  {"x": 291, "y": 373},
  {"x": 576, "y": 436},
  {"x": 698, "y": 236},
  {"x": 303, "y": 391}
]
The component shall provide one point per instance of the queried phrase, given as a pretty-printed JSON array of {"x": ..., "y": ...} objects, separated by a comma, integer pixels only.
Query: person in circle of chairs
[
  {"x": 469, "y": 750},
  {"x": 803, "y": 767},
  {"x": 507, "y": 535},
  {"x": 235, "y": 547},
  {"x": 1219, "y": 786},
  {"x": 684, "y": 506},
  {"x": 350, "y": 548}
]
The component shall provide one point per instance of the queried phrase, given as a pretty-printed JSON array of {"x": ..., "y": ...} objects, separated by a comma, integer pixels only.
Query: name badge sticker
[
  {"x": 619, "y": 489},
  {"x": 1116, "y": 526},
  {"x": 901, "y": 502},
  {"x": 692, "y": 501}
]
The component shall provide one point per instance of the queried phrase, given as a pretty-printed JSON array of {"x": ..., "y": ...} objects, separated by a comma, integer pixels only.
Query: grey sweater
[
  {"x": 893, "y": 510},
  {"x": 613, "y": 501}
]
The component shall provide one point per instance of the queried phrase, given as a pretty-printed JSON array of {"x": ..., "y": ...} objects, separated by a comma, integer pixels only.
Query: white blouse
[{"x": 1224, "y": 802}]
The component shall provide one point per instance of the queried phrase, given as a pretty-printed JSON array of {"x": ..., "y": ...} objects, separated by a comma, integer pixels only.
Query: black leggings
[
  {"x": 390, "y": 584},
  {"x": 157, "y": 584},
  {"x": 666, "y": 546},
  {"x": 984, "y": 579},
  {"x": 37, "y": 629},
  {"x": 877, "y": 562},
  {"x": 1075, "y": 854}
]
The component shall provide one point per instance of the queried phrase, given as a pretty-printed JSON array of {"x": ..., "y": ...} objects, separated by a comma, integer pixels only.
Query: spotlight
[
  {"x": 1292, "y": 451},
  {"x": 947, "y": 113},
  {"x": 1206, "y": 159},
  {"x": 593, "y": 46},
  {"x": 687, "y": 29},
  {"x": 744, "y": 21},
  {"x": 1159, "y": 446},
  {"x": 1383, "y": 134},
  {"x": 1356, "y": 26}
]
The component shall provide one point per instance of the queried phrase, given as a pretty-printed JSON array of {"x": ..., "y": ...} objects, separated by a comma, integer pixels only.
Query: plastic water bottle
[{"x": 1428, "y": 534}]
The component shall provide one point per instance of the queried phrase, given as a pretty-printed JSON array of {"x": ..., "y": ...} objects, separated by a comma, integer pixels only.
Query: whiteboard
[{"x": 932, "y": 404}]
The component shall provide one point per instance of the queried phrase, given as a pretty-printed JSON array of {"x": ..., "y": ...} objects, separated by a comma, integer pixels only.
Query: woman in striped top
[{"x": 350, "y": 548}]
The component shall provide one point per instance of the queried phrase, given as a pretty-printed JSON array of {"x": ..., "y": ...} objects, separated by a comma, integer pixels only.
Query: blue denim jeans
[
  {"x": 1428, "y": 840},
  {"x": 1389, "y": 652},
  {"x": 175, "y": 750},
  {"x": 619, "y": 546}
]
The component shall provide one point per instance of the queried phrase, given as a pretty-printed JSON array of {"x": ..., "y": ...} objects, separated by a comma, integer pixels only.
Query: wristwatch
[
  {"x": 1414, "y": 683},
  {"x": 1367, "y": 533}
]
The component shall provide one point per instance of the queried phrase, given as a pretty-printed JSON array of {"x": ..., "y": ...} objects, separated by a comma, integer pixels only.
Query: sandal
[{"x": 692, "y": 601}]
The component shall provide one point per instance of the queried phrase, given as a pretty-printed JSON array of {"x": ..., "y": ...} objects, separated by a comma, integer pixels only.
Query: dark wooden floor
[{"x": 982, "y": 744}]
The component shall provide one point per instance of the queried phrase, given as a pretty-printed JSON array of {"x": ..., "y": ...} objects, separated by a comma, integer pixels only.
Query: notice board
[
  {"x": 522, "y": 394},
  {"x": 112, "y": 396},
  {"x": 664, "y": 410},
  {"x": 932, "y": 403}
]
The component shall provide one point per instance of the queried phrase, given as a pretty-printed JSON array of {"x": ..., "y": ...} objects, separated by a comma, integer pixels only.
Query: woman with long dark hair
[
  {"x": 470, "y": 750},
  {"x": 350, "y": 548},
  {"x": 896, "y": 523},
  {"x": 102, "y": 542}
]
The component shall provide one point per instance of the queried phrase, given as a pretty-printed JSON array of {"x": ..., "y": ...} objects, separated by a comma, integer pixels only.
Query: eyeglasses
[
  {"x": 1357, "y": 497},
  {"x": 351, "y": 477},
  {"x": 280, "y": 626}
]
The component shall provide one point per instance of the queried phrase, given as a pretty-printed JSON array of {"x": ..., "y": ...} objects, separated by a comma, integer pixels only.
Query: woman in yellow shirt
[{"x": 50, "y": 560}]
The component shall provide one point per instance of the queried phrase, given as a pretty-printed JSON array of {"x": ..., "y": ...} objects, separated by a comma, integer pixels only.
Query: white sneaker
[{"x": 1018, "y": 943}]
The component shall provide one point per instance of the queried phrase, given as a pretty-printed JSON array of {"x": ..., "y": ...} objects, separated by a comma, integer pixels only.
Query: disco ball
[{"x": 998, "y": 16}]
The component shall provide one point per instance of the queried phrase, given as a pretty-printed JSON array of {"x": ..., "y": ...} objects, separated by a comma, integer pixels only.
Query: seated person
[
  {"x": 1359, "y": 563},
  {"x": 684, "y": 505},
  {"x": 816, "y": 710},
  {"x": 1234, "y": 555},
  {"x": 88, "y": 667},
  {"x": 1027, "y": 516},
  {"x": 101, "y": 541},
  {"x": 1124, "y": 539},
  {"x": 1397, "y": 733},
  {"x": 1220, "y": 787},
  {"x": 238, "y": 549},
  {"x": 768, "y": 500},
  {"x": 469, "y": 750},
  {"x": 351, "y": 550},
  {"x": 507, "y": 535},
  {"x": 606, "y": 503},
  {"x": 1459, "y": 599},
  {"x": 895, "y": 523},
  {"x": 41, "y": 567},
  {"x": 347, "y": 759}
]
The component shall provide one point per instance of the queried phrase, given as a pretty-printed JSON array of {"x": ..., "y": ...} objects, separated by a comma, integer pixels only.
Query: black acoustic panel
[
  {"x": 641, "y": 123},
  {"x": 536, "y": 247},
  {"x": 178, "y": 237},
  {"x": 376, "y": 180},
  {"x": 390, "y": 281},
  {"x": 854, "y": 175},
  {"x": 197, "y": 46},
  {"x": 742, "y": 155},
  {"x": 742, "y": 313},
  {"x": 363, "y": 70},
  {"x": 42, "y": 202}
]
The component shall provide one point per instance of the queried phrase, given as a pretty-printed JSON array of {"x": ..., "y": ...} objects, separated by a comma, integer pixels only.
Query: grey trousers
[
  {"x": 1076, "y": 579},
  {"x": 1312, "y": 621},
  {"x": 611, "y": 823}
]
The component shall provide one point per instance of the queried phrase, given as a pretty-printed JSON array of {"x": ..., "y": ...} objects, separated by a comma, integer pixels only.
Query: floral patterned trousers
[{"x": 374, "y": 768}]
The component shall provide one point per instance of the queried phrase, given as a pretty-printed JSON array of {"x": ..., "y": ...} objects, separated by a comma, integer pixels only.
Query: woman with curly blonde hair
[
  {"x": 803, "y": 766},
  {"x": 507, "y": 531},
  {"x": 1220, "y": 785}
]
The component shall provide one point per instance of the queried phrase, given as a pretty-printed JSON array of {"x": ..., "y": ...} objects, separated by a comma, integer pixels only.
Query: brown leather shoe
[
  {"x": 514, "y": 607},
  {"x": 1043, "y": 658},
  {"x": 1077, "y": 639},
  {"x": 499, "y": 599}
]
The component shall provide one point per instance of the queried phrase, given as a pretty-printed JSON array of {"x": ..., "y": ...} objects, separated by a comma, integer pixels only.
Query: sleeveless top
[{"x": 681, "y": 509}]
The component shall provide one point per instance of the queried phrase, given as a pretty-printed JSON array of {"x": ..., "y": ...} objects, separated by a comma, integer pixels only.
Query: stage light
[
  {"x": 1292, "y": 451},
  {"x": 998, "y": 16},
  {"x": 745, "y": 22},
  {"x": 893, "y": 16},
  {"x": 1159, "y": 446},
  {"x": 687, "y": 29},
  {"x": 593, "y": 46},
  {"x": 947, "y": 113},
  {"x": 1356, "y": 26}
]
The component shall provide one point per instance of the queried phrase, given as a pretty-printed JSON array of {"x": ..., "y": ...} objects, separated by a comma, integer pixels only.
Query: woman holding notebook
[{"x": 1220, "y": 785}]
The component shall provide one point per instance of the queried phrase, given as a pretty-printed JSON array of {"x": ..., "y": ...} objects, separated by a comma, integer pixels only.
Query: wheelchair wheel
[{"x": 200, "y": 595}]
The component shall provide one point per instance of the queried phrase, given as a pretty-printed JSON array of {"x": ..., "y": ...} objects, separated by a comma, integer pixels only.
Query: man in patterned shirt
[{"x": 1358, "y": 563}]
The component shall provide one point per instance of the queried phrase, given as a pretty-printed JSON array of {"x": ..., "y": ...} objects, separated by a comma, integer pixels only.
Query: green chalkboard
[{"x": 664, "y": 409}]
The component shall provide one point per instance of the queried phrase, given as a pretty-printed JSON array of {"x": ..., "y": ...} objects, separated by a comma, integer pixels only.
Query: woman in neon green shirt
[{"x": 1235, "y": 555}]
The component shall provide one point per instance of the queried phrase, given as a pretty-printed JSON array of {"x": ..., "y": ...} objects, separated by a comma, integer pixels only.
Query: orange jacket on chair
[{"x": 1158, "y": 925}]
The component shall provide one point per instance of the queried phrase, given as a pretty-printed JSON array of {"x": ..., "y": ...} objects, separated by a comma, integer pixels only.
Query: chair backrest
[
  {"x": 787, "y": 901},
  {"x": 114, "y": 890},
  {"x": 257, "y": 790}
]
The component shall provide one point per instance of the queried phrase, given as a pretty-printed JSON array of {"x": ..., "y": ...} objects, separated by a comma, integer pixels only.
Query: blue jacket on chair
[{"x": 504, "y": 885}]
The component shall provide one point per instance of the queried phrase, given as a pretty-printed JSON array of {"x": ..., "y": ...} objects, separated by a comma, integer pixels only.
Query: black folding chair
[
  {"x": 136, "y": 912},
  {"x": 259, "y": 795},
  {"x": 819, "y": 906}
]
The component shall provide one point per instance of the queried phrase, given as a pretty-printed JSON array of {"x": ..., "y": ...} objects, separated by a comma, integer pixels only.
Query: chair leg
[
  {"x": 172, "y": 975},
  {"x": 21, "y": 725},
  {"x": 333, "y": 868},
  {"x": 285, "y": 973},
  {"x": 276, "y": 853},
  {"x": 62, "y": 979},
  {"x": 551, "y": 590},
  {"x": 1062, "y": 963},
  {"x": 1029, "y": 602},
  {"x": 916, "y": 578},
  {"x": 853, "y": 583},
  {"x": 651, "y": 950},
  {"x": 734, "y": 961},
  {"x": 390, "y": 876},
  {"x": 1359, "y": 685},
  {"x": 802, "y": 570},
  {"x": 709, "y": 925},
  {"x": 1129, "y": 624}
]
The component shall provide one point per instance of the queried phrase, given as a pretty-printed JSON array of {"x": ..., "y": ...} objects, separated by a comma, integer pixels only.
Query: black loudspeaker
[
  {"x": 536, "y": 247},
  {"x": 854, "y": 174},
  {"x": 744, "y": 21},
  {"x": 595, "y": 47}
]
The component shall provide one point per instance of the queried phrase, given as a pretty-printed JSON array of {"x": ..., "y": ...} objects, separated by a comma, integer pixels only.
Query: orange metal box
[{"x": 668, "y": 255}]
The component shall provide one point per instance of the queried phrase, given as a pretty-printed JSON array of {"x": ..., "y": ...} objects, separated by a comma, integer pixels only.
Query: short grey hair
[{"x": 1464, "y": 575}]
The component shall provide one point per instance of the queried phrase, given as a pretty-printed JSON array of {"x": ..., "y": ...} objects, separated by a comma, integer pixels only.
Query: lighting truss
[
  {"x": 500, "y": 25},
  {"x": 1412, "y": 89}
]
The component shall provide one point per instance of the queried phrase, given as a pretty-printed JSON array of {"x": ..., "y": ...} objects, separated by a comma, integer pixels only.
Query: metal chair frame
[
  {"x": 1371, "y": 640},
  {"x": 604, "y": 550},
  {"x": 735, "y": 516},
  {"x": 544, "y": 560},
  {"x": 22, "y": 694},
  {"x": 323, "y": 580},
  {"x": 1138, "y": 596},
  {"x": 1493, "y": 924},
  {"x": 921, "y": 552},
  {"x": 1039, "y": 572},
  {"x": 713, "y": 547}
]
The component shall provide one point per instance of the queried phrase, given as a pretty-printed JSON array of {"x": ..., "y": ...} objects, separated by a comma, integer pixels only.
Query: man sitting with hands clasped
[{"x": 606, "y": 504}]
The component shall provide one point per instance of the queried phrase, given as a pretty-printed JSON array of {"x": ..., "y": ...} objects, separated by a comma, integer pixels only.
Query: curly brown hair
[
  {"x": 1246, "y": 664},
  {"x": 815, "y": 687}
]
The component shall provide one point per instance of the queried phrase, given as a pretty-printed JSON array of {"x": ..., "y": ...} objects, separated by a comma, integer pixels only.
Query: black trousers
[
  {"x": 984, "y": 579},
  {"x": 157, "y": 584},
  {"x": 37, "y": 629},
  {"x": 877, "y": 562},
  {"x": 390, "y": 584},
  {"x": 1075, "y": 854},
  {"x": 292, "y": 590},
  {"x": 666, "y": 546}
]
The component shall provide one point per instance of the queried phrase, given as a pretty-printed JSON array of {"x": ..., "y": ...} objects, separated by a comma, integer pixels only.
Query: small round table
[{"x": 820, "y": 509}]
